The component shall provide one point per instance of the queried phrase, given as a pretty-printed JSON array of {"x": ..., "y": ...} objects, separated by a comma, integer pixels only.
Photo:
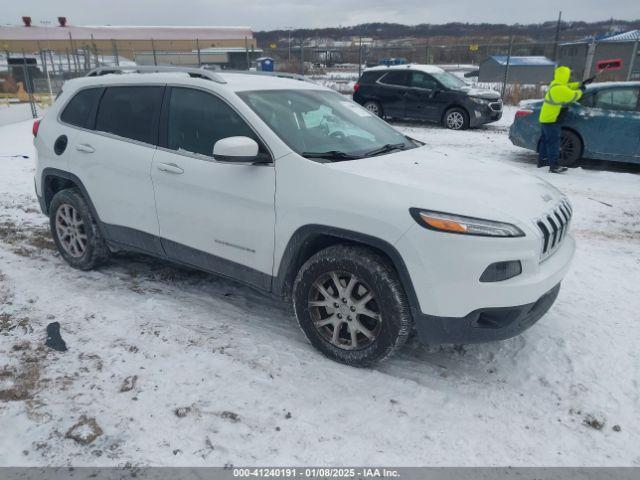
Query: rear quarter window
[
  {"x": 370, "y": 77},
  {"x": 131, "y": 112},
  {"x": 77, "y": 111}
]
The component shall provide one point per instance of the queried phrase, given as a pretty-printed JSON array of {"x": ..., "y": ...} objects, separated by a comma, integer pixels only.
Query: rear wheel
[
  {"x": 351, "y": 306},
  {"x": 456, "y": 119},
  {"x": 570, "y": 149},
  {"x": 75, "y": 231},
  {"x": 374, "y": 107}
]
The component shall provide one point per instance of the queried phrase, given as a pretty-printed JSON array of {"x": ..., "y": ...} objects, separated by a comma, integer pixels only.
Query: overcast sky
[{"x": 271, "y": 14}]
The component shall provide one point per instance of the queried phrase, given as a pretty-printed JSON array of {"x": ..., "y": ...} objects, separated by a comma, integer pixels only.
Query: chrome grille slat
[{"x": 554, "y": 226}]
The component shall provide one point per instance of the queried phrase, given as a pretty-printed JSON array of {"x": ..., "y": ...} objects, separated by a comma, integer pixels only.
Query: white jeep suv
[{"x": 296, "y": 190}]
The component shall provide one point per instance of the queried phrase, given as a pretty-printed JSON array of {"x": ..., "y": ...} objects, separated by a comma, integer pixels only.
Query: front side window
[
  {"x": 315, "y": 121},
  {"x": 77, "y": 111},
  {"x": 450, "y": 81},
  {"x": 130, "y": 112},
  {"x": 422, "y": 80},
  {"x": 625, "y": 99},
  {"x": 197, "y": 120}
]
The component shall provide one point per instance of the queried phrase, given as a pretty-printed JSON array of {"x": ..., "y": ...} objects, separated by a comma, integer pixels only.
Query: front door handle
[
  {"x": 85, "y": 147},
  {"x": 170, "y": 168}
]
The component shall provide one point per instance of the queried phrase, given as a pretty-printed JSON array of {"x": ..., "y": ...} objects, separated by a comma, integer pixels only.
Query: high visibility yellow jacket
[{"x": 560, "y": 94}]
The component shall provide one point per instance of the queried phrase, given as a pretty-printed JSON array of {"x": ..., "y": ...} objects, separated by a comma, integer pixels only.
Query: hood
[
  {"x": 562, "y": 75},
  {"x": 443, "y": 180},
  {"x": 484, "y": 93}
]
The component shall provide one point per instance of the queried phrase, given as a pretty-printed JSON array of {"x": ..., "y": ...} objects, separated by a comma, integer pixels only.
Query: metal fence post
[
  {"x": 506, "y": 68},
  {"x": 198, "y": 49},
  {"x": 591, "y": 52},
  {"x": 360, "y": 58},
  {"x": 246, "y": 51},
  {"x": 153, "y": 49},
  {"x": 28, "y": 86},
  {"x": 634, "y": 55}
]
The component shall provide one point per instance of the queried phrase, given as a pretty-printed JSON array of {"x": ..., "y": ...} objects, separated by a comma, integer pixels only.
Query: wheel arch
[
  {"x": 454, "y": 105},
  {"x": 310, "y": 239},
  {"x": 55, "y": 180}
]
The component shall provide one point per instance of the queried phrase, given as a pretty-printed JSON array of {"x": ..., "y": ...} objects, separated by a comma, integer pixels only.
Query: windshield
[
  {"x": 450, "y": 81},
  {"x": 324, "y": 124}
]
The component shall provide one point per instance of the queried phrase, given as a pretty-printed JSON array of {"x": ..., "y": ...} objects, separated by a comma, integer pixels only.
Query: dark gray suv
[{"x": 426, "y": 92}]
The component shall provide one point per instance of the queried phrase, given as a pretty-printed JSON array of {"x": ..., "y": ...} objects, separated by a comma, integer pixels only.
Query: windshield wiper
[
  {"x": 330, "y": 155},
  {"x": 389, "y": 147}
]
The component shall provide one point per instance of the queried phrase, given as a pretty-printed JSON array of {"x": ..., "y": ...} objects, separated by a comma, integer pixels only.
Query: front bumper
[
  {"x": 485, "y": 324},
  {"x": 484, "y": 114}
]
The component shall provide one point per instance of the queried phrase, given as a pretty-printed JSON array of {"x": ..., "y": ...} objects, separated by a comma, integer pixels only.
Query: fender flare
[
  {"x": 45, "y": 200},
  {"x": 295, "y": 255}
]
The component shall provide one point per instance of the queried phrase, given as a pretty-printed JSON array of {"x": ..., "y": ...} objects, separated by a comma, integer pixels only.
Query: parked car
[
  {"x": 292, "y": 189},
  {"x": 428, "y": 93},
  {"x": 605, "y": 125}
]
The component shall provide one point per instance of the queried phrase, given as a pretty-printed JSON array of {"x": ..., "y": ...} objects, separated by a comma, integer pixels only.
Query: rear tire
[
  {"x": 351, "y": 305},
  {"x": 75, "y": 231},
  {"x": 570, "y": 149},
  {"x": 456, "y": 119},
  {"x": 374, "y": 107}
]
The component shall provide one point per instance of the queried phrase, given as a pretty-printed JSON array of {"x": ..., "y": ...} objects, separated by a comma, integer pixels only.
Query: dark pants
[{"x": 550, "y": 143}]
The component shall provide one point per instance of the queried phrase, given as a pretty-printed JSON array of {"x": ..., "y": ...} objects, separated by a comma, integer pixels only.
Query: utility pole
[
  {"x": 301, "y": 55},
  {"x": 289, "y": 43},
  {"x": 506, "y": 68},
  {"x": 360, "y": 58},
  {"x": 198, "y": 48},
  {"x": 555, "y": 44}
]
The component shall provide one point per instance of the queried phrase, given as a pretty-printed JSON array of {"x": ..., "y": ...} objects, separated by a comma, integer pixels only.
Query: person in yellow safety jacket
[{"x": 560, "y": 94}]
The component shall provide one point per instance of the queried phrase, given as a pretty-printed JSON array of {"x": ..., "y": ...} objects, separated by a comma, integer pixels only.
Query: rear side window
[
  {"x": 77, "y": 111},
  {"x": 131, "y": 112},
  {"x": 197, "y": 120},
  {"x": 369, "y": 77},
  {"x": 398, "y": 78}
]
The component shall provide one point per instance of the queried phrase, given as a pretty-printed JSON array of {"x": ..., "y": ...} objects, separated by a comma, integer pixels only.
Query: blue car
[{"x": 605, "y": 125}]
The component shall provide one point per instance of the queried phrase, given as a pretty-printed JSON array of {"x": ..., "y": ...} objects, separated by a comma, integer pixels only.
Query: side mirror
[{"x": 237, "y": 149}]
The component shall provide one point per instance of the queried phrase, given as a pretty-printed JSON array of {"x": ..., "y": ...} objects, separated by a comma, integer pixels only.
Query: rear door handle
[
  {"x": 170, "y": 168},
  {"x": 85, "y": 147}
]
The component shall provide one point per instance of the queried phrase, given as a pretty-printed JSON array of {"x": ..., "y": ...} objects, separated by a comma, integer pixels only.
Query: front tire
[
  {"x": 570, "y": 149},
  {"x": 351, "y": 306},
  {"x": 456, "y": 119},
  {"x": 75, "y": 231}
]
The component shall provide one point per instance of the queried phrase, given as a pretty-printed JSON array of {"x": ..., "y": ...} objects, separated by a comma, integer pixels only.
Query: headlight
[
  {"x": 480, "y": 101},
  {"x": 448, "y": 222}
]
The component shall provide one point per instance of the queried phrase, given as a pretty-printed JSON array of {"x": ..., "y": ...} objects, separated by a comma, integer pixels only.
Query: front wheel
[
  {"x": 456, "y": 119},
  {"x": 351, "y": 306}
]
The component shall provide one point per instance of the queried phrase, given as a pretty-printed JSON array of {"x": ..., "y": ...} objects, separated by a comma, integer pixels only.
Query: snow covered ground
[{"x": 168, "y": 366}]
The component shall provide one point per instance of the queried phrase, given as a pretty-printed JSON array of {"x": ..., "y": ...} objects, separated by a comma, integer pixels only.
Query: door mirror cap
[{"x": 237, "y": 149}]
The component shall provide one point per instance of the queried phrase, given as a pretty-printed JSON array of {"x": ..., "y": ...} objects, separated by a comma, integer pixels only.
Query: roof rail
[
  {"x": 193, "y": 72},
  {"x": 293, "y": 76}
]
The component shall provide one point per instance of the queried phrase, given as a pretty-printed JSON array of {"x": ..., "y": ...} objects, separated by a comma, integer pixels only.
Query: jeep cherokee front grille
[{"x": 554, "y": 227}]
